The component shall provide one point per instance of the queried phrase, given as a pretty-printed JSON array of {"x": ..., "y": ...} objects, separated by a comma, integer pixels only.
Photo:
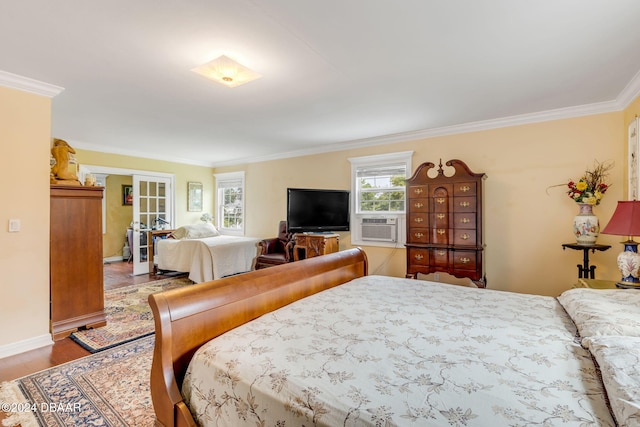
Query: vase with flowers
[{"x": 587, "y": 192}]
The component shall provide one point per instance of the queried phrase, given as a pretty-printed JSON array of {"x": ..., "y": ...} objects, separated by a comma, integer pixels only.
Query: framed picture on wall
[
  {"x": 634, "y": 160},
  {"x": 194, "y": 197},
  {"x": 127, "y": 195}
]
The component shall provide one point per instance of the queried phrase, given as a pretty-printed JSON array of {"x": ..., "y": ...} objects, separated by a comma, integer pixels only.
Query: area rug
[
  {"x": 128, "y": 315},
  {"x": 107, "y": 389}
]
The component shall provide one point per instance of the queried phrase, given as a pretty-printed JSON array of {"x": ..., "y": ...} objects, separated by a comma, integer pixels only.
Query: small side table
[
  {"x": 596, "y": 284},
  {"x": 152, "y": 235},
  {"x": 309, "y": 245},
  {"x": 585, "y": 271}
]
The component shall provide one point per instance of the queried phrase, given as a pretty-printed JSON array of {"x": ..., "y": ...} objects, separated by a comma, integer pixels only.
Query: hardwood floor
[
  {"x": 116, "y": 275},
  {"x": 119, "y": 274}
]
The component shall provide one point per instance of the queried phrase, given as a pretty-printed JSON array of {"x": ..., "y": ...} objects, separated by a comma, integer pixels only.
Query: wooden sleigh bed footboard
[{"x": 189, "y": 317}]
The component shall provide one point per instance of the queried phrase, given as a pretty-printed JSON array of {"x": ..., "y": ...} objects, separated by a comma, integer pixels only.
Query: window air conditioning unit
[{"x": 379, "y": 229}]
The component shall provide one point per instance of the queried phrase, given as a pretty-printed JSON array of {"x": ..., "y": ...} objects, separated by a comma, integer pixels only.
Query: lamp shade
[{"x": 625, "y": 220}]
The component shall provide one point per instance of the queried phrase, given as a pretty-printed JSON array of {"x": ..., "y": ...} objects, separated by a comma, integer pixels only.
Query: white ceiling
[{"x": 336, "y": 73}]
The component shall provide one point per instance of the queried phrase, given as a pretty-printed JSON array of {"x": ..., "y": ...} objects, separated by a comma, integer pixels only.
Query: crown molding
[
  {"x": 26, "y": 84},
  {"x": 542, "y": 116},
  {"x": 518, "y": 120},
  {"x": 630, "y": 92}
]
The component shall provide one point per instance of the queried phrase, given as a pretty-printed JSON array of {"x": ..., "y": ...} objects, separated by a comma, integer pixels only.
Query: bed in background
[
  {"x": 373, "y": 350},
  {"x": 204, "y": 253}
]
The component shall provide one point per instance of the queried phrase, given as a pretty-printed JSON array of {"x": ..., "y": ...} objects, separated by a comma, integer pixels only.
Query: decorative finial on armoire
[{"x": 440, "y": 170}]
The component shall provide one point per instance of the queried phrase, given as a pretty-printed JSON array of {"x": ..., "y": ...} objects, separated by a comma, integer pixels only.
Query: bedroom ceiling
[{"x": 335, "y": 74}]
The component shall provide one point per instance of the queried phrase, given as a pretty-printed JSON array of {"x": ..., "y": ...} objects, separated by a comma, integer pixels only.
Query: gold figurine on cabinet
[{"x": 63, "y": 164}]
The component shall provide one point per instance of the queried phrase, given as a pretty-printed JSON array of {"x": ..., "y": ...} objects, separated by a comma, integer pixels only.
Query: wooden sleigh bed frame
[{"x": 189, "y": 317}]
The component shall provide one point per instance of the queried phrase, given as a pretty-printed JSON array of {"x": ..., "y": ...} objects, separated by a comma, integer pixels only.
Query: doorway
[
  {"x": 152, "y": 195},
  {"x": 152, "y": 201}
]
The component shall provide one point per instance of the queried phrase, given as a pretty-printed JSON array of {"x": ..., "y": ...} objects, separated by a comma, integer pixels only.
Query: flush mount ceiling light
[{"x": 226, "y": 71}]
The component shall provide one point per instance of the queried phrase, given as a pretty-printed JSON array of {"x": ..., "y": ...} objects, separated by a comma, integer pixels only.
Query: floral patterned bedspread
[{"x": 381, "y": 351}]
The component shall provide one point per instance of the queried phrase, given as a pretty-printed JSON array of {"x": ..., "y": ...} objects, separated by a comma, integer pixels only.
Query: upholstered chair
[{"x": 277, "y": 250}]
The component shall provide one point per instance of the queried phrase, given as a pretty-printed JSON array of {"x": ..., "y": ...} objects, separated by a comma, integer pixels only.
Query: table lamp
[{"x": 626, "y": 222}]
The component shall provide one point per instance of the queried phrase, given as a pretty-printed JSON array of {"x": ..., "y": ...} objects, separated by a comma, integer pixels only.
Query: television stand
[{"x": 309, "y": 245}]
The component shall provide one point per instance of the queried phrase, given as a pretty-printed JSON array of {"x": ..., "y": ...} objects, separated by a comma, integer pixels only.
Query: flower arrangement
[
  {"x": 206, "y": 217},
  {"x": 591, "y": 187}
]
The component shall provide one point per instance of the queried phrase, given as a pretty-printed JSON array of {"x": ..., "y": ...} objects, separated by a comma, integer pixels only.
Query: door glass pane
[
  {"x": 143, "y": 189},
  {"x": 145, "y": 221},
  {"x": 162, "y": 189},
  {"x": 143, "y": 245},
  {"x": 143, "y": 253}
]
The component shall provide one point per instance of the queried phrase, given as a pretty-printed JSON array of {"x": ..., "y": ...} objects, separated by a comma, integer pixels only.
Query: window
[
  {"x": 380, "y": 188},
  {"x": 378, "y": 198},
  {"x": 230, "y": 202}
]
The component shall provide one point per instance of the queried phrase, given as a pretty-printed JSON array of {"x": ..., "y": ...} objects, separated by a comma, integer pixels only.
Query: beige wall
[
  {"x": 525, "y": 224},
  {"x": 118, "y": 216},
  {"x": 25, "y": 132}
]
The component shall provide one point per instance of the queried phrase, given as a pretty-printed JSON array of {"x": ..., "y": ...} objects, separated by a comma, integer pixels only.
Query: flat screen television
[{"x": 318, "y": 211}]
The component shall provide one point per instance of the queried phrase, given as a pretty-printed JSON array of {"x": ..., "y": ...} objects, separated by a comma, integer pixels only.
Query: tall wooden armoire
[
  {"x": 444, "y": 222},
  {"x": 76, "y": 263}
]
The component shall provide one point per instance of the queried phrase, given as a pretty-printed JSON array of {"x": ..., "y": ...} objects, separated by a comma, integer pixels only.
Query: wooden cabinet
[
  {"x": 312, "y": 245},
  {"x": 444, "y": 222},
  {"x": 75, "y": 265}
]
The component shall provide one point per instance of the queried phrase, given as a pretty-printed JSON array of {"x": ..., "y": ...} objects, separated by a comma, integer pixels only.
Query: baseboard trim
[
  {"x": 25, "y": 345},
  {"x": 112, "y": 259}
]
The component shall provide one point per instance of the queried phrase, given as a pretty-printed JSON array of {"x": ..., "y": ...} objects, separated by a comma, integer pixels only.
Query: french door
[{"x": 152, "y": 207}]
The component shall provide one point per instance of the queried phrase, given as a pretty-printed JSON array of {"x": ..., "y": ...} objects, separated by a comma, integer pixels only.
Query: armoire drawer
[
  {"x": 464, "y": 204},
  {"x": 418, "y": 256},
  {"x": 418, "y": 235},
  {"x": 465, "y": 189},
  {"x": 418, "y": 205},
  {"x": 464, "y": 237},
  {"x": 464, "y": 260}
]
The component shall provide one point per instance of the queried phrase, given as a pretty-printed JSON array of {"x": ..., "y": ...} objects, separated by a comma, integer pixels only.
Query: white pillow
[
  {"x": 619, "y": 361},
  {"x": 599, "y": 312},
  {"x": 197, "y": 231}
]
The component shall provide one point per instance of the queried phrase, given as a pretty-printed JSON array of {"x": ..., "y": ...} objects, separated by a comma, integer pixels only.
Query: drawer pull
[
  {"x": 441, "y": 231},
  {"x": 465, "y": 236},
  {"x": 418, "y": 235},
  {"x": 418, "y": 205},
  {"x": 418, "y": 220},
  {"x": 465, "y": 188},
  {"x": 440, "y": 216},
  {"x": 418, "y": 257},
  {"x": 465, "y": 204},
  {"x": 464, "y": 260},
  {"x": 440, "y": 200},
  {"x": 442, "y": 253},
  {"x": 465, "y": 220},
  {"x": 418, "y": 190}
]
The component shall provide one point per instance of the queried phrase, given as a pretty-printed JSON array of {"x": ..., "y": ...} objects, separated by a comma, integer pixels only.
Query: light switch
[{"x": 14, "y": 225}]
